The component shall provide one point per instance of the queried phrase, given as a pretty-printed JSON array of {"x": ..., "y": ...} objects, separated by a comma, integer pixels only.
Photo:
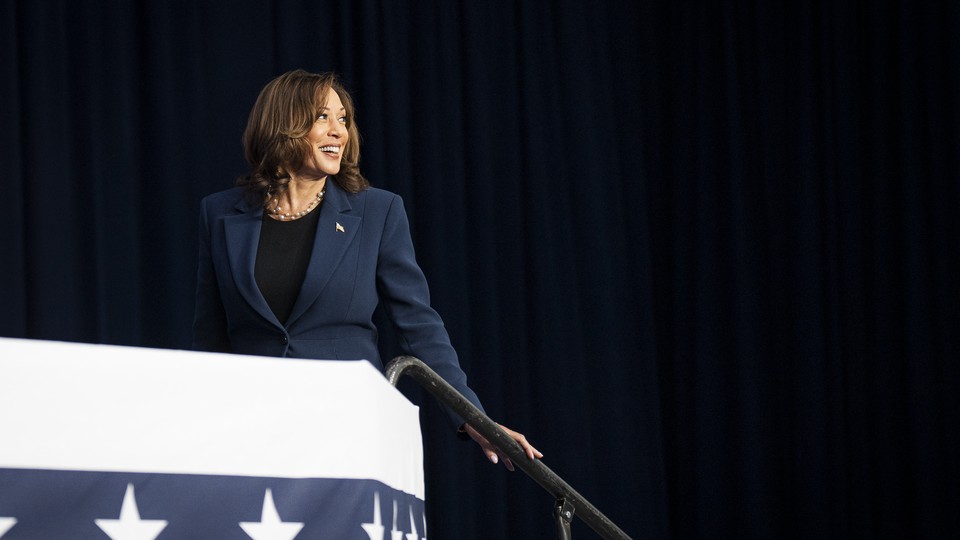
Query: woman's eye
[
  {"x": 321, "y": 117},
  {"x": 343, "y": 119}
]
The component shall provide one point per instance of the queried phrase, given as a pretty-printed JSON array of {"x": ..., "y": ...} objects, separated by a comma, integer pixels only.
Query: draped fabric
[{"x": 705, "y": 256}]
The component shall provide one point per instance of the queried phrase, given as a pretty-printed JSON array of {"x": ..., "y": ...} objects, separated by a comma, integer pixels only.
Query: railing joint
[{"x": 563, "y": 514}]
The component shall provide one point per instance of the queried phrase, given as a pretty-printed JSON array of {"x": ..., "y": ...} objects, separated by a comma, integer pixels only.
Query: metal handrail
[{"x": 568, "y": 501}]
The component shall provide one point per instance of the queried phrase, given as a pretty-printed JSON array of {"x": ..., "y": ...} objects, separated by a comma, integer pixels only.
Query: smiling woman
[
  {"x": 294, "y": 112},
  {"x": 294, "y": 261}
]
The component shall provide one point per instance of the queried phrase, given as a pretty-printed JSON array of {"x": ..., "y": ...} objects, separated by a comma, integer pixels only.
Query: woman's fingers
[
  {"x": 522, "y": 440},
  {"x": 495, "y": 455}
]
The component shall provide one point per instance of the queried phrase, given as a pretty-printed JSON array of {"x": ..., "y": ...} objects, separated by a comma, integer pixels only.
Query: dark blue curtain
[{"x": 706, "y": 256}]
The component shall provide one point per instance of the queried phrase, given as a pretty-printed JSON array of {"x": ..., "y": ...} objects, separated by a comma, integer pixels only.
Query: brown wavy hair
[{"x": 275, "y": 140}]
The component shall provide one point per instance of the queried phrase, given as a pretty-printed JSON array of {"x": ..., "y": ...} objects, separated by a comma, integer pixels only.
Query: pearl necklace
[{"x": 275, "y": 211}]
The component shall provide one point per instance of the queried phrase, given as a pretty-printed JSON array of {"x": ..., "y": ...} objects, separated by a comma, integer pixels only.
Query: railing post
[{"x": 563, "y": 514}]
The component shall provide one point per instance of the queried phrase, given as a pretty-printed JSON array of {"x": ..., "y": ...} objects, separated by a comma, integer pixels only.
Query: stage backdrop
[{"x": 705, "y": 256}]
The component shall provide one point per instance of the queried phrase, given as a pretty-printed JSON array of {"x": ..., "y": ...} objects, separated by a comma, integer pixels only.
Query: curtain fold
[{"x": 705, "y": 256}]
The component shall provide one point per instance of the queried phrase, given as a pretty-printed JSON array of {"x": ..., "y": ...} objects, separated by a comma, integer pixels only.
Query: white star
[
  {"x": 270, "y": 527},
  {"x": 130, "y": 526},
  {"x": 413, "y": 527},
  {"x": 395, "y": 534},
  {"x": 374, "y": 530},
  {"x": 6, "y": 523}
]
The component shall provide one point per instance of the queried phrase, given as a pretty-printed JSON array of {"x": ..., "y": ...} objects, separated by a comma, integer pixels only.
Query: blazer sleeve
[
  {"x": 404, "y": 293},
  {"x": 209, "y": 320}
]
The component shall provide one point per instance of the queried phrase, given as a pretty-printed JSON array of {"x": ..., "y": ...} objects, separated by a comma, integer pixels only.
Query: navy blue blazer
[{"x": 362, "y": 255}]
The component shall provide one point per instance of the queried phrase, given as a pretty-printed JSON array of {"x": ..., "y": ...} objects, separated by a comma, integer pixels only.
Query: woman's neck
[{"x": 300, "y": 192}]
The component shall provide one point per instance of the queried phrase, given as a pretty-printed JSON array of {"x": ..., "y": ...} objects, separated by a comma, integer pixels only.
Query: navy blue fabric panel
[{"x": 65, "y": 504}]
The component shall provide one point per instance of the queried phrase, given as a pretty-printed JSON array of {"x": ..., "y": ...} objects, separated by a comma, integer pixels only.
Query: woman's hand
[{"x": 494, "y": 454}]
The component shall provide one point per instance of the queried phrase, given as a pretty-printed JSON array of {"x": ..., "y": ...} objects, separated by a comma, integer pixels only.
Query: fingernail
[{"x": 493, "y": 459}]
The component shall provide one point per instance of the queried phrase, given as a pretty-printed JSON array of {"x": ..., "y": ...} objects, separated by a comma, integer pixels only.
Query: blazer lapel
[
  {"x": 243, "y": 237},
  {"x": 336, "y": 229}
]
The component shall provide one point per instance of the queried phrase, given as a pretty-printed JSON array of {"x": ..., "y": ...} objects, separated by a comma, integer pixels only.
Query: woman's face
[{"x": 328, "y": 140}]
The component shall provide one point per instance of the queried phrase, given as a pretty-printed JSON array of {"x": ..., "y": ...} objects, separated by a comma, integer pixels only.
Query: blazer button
[{"x": 284, "y": 339}]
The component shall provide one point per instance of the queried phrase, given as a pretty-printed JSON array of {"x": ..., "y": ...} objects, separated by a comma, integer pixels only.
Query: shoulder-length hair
[{"x": 275, "y": 140}]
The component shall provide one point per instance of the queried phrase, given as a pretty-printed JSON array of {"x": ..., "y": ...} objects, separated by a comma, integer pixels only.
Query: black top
[{"x": 282, "y": 258}]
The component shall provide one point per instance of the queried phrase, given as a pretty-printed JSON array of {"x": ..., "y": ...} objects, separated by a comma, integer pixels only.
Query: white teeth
[{"x": 330, "y": 149}]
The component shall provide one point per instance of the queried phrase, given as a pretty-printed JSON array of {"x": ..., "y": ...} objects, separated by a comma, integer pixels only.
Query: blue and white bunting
[{"x": 144, "y": 444}]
